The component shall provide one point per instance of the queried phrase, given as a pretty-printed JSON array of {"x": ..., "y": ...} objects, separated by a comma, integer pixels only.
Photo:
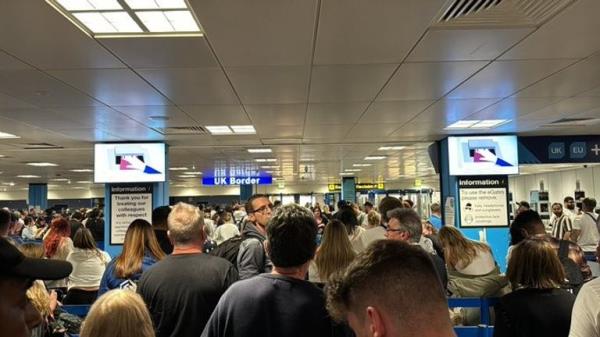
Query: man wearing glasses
[{"x": 252, "y": 259}]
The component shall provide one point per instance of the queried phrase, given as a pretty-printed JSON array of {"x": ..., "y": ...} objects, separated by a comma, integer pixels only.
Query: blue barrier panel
[
  {"x": 100, "y": 245},
  {"x": 483, "y": 304},
  {"x": 474, "y": 331},
  {"x": 77, "y": 310}
]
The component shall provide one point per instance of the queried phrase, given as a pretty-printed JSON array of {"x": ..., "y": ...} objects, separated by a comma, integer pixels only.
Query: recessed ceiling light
[
  {"x": 83, "y": 182},
  {"x": 178, "y": 168},
  {"x": 346, "y": 173},
  {"x": 219, "y": 129},
  {"x": 243, "y": 129},
  {"x": 87, "y": 5},
  {"x": 5, "y": 135},
  {"x": 41, "y": 164},
  {"x": 156, "y": 4},
  {"x": 265, "y": 160},
  {"x": 27, "y": 176},
  {"x": 388, "y": 148},
  {"x": 477, "y": 124},
  {"x": 59, "y": 179},
  {"x": 81, "y": 170},
  {"x": 375, "y": 157},
  {"x": 269, "y": 167},
  {"x": 195, "y": 173},
  {"x": 109, "y": 22},
  {"x": 260, "y": 150},
  {"x": 362, "y": 165},
  {"x": 187, "y": 176},
  {"x": 352, "y": 170}
]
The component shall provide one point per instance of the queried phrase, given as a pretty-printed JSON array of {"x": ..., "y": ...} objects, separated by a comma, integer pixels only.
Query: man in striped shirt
[{"x": 561, "y": 223}]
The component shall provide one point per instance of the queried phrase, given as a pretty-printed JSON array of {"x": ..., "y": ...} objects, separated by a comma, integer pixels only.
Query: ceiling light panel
[
  {"x": 42, "y": 164},
  {"x": 243, "y": 129},
  {"x": 374, "y": 157},
  {"x": 388, "y": 148},
  {"x": 5, "y": 135},
  {"x": 89, "y": 5},
  {"x": 260, "y": 150},
  {"x": 219, "y": 129},
  {"x": 156, "y": 4}
]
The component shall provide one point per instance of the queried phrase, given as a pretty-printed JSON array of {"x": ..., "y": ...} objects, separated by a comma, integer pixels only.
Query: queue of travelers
[{"x": 266, "y": 269}]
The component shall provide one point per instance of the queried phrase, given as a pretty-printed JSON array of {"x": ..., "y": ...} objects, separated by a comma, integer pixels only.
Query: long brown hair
[
  {"x": 59, "y": 229},
  {"x": 335, "y": 252},
  {"x": 139, "y": 240},
  {"x": 84, "y": 239},
  {"x": 458, "y": 249},
  {"x": 534, "y": 264}
]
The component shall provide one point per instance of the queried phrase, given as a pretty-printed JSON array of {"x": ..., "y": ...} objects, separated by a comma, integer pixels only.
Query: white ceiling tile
[
  {"x": 163, "y": 52},
  {"x": 36, "y": 33},
  {"x": 8, "y": 62},
  {"x": 39, "y": 89},
  {"x": 513, "y": 108},
  {"x": 267, "y": 85},
  {"x": 504, "y": 78},
  {"x": 573, "y": 33},
  {"x": 565, "y": 108},
  {"x": 348, "y": 83},
  {"x": 269, "y": 32},
  {"x": 448, "y": 111},
  {"x": 266, "y": 131},
  {"x": 190, "y": 86},
  {"x": 372, "y": 131},
  {"x": 151, "y": 115},
  {"x": 112, "y": 86},
  {"x": 417, "y": 81},
  {"x": 578, "y": 78},
  {"x": 334, "y": 113},
  {"x": 217, "y": 114},
  {"x": 335, "y": 131},
  {"x": 8, "y": 102},
  {"x": 360, "y": 32},
  {"x": 274, "y": 115},
  {"x": 466, "y": 44},
  {"x": 393, "y": 111}
]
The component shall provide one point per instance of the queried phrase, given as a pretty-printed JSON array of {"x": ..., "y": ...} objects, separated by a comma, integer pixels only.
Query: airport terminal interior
[{"x": 468, "y": 112}]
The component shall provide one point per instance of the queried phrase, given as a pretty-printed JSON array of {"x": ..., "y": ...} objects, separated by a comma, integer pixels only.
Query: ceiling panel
[
  {"x": 503, "y": 78},
  {"x": 565, "y": 108},
  {"x": 157, "y": 116},
  {"x": 513, "y": 108},
  {"x": 335, "y": 132},
  {"x": 112, "y": 86},
  {"x": 217, "y": 114},
  {"x": 447, "y": 111},
  {"x": 266, "y": 32},
  {"x": 393, "y": 111},
  {"x": 36, "y": 33},
  {"x": 466, "y": 44},
  {"x": 8, "y": 62},
  {"x": 100, "y": 116},
  {"x": 334, "y": 113},
  {"x": 190, "y": 86},
  {"x": 360, "y": 32},
  {"x": 348, "y": 83},
  {"x": 275, "y": 115},
  {"x": 268, "y": 85},
  {"x": 163, "y": 52},
  {"x": 37, "y": 88},
  {"x": 578, "y": 78},
  {"x": 573, "y": 33},
  {"x": 418, "y": 81},
  {"x": 8, "y": 102},
  {"x": 373, "y": 131},
  {"x": 267, "y": 132}
]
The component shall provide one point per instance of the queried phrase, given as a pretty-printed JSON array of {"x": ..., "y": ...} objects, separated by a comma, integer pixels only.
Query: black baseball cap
[{"x": 13, "y": 263}]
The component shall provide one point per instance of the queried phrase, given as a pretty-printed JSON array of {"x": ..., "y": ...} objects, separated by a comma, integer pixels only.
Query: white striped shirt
[{"x": 561, "y": 225}]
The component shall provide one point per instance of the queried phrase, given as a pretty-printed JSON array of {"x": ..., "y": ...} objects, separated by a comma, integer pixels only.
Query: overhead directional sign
[
  {"x": 361, "y": 187},
  {"x": 226, "y": 181},
  {"x": 567, "y": 149}
]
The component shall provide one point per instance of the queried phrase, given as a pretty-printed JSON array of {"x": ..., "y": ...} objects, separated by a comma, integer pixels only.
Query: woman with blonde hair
[
  {"x": 118, "y": 313},
  {"x": 537, "y": 306},
  {"x": 472, "y": 270},
  {"x": 335, "y": 253},
  {"x": 140, "y": 251}
]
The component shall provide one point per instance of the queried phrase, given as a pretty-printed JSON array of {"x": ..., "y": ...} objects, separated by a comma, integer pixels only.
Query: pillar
[
  {"x": 246, "y": 192},
  {"x": 38, "y": 196}
]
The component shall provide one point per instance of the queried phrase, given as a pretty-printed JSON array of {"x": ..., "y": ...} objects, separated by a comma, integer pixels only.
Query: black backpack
[
  {"x": 572, "y": 270},
  {"x": 229, "y": 249}
]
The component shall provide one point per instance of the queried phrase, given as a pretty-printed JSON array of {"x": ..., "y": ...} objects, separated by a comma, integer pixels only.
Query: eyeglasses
[
  {"x": 387, "y": 229},
  {"x": 263, "y": 209}
]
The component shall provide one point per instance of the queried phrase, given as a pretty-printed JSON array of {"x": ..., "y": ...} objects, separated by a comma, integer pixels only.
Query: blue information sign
[{"x": 227, "y": 181}]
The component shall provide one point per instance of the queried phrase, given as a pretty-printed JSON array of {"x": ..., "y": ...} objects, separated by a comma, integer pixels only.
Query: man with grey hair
[
  {"x": 404, "y": 224},
  {"x": 183, "y": 289}
]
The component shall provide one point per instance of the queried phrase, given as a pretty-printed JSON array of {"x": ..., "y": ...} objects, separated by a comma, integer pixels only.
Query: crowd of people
[{"x": 263, "y": 269}]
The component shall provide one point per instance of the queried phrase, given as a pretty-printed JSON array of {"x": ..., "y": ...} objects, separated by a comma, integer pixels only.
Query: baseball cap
[
  {"x": 524, "y": 204},
  {"x": 14, "y": 263}
]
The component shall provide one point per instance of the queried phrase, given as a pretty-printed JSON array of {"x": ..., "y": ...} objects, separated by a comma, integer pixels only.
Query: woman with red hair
[{"x": 58, "y": 245}]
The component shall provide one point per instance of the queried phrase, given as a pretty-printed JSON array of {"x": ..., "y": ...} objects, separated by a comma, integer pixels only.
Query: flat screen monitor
[
  {"x": 129, "y": 163},
  {"x": 483, "y": 155}
]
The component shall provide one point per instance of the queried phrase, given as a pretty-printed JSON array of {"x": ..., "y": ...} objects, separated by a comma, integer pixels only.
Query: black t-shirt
[
  {"x": 181, "y": 292},
  {"x": 271, "y": 306},
  {"x": 163, "y": 241}
]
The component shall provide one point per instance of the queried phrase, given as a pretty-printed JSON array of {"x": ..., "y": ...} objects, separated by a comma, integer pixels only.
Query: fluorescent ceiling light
[
  {"x": 243, "y": 129},
  {"x": 187, "y": 176},
  {"x": 374, "y": 157},
  {"x": 168, "y": 21},
  {"x": 59, "y": 179},
  {"x": 178, "y": 168},
  {"x": 195, "y": 173},
  {"x": 82, "y": 170},
  {"x": 388, "y": 148},
  {"x": 362, "y": 165},
  {"x": 5, "y": 135},
  {"x": 182, "y": 21},
  {"x": 352, "y": 170},
  {"x": 269, "y": 172},
  {"x": 219, "y": 129},
  {"x": 83, "y": 182},
  {"x": 108, "y": 22},
  {"x": 346, "y": 173},
  {"x": 155, "y": 21},
  {"x": 156, "y": 4},
  {"x": 42, "y": 164},
  {"x": 477, "y": 124},
  {"x": 122, "y": 22},
  {"x": 28, "y": 176},
  {"x": 269, "y": 167},
  {"x": 265, "y": 160},
  {"x": 260, "y": 150},
  {"x": 87, "y": 5}
]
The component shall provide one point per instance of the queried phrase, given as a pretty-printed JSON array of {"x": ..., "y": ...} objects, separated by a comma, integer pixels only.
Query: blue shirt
[
  {"x": 111, "y": 281},
  {"x": 436, "y": 221}
]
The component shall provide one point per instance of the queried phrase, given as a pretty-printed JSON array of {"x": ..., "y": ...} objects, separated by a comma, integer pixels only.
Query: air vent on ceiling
[
  {"x": 41, "y": 146},
  {"x": 566, "y": 122},
  {"x": 466, "y": 13},
  {"x": 182, "y": 130}
]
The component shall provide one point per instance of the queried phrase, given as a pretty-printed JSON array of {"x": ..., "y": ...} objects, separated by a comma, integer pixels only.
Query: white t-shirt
[
  {"x": 225, "y": 232},
  {"x": 589, "y": 236},
  {"x": 356, "y": 239},
  {"x": 585, "y": 319},
  {"x": 88, "y": 267},
  {"x": 372, "y": 234}
]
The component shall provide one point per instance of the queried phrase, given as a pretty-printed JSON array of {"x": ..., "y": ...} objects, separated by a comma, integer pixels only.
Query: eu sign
[{"x": 227, "y": 181}]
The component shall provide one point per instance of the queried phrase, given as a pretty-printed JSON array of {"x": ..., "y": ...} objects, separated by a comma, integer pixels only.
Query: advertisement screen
[
  {"x": 483, "y": 155},
  {"x": 129, "y": 163}
]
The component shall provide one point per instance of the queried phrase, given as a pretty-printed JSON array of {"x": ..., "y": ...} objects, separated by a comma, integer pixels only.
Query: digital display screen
[
  {"x": 483, "y": 155},
  {"x": 129, "y": 163}
]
